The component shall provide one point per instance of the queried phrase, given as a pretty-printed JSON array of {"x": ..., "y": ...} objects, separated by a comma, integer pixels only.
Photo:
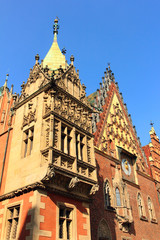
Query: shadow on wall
[
  {"x": 28, "y": 225},
  {"x": 103, "y": 221}
]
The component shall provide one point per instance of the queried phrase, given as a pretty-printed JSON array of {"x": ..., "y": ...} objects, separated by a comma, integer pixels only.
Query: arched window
[
  {"x": 103, "y": 231},
  {"x": 150, "y": 208},
  {"x": 107, "y": 196},
  {"x": 118, "y": 198},
  {"x": 140, "y": 206},
  {"x": 158, "y": 193}
]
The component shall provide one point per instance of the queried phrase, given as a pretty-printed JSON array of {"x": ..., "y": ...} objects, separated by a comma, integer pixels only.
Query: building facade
[
  {"x": 72, "y": 167},
  {"x": 51, "y": 172},
  {"x": 126, "y": 206},
  {"x": 152, "y": 151}
]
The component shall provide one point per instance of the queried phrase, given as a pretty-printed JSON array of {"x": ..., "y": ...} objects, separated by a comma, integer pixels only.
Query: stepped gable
[
  {"x": 111, "y": 123},
  {"x": 152, "y": 152}
]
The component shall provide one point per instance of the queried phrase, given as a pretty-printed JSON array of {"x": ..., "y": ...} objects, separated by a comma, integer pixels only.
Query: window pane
[
  {"x": 118, "y": 199},
  {"x": 61, "y": 228},
  {"x": 31, "y": 146},
  {"x": 68, "y": 229},
  {"x": 61, "y": 212},
  {"x": 25, "y": 147},
  {"x": 12, "y": 222}
]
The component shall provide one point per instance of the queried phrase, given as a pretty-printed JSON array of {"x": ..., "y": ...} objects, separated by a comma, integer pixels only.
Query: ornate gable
[
  {"x": 114, "y": 129},
  {"x": 38, "y": 77}
]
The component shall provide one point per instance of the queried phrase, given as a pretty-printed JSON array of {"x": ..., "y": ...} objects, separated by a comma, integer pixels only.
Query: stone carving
[
  {"x": 71, "y": 110},
  {"x": 27, "y": 119},
  {"x": 55, "y": 140},
  {"x": 47, "y": 133},
  {"x": 73, "y": 182},
  {"x": 50, "y": 173},
  {"x": 88, "y": 150},
  {"x": 94, "y": 189}
]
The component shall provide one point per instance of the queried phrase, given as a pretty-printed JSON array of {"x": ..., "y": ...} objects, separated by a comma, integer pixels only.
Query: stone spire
[{"x": 54, "y": 58}]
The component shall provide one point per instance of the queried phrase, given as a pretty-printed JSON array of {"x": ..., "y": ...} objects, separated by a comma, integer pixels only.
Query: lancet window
[
  {"x": 107, "y": 194},
  {"x": 118, "y": 197},
  {"x": 151, "y": 210}
]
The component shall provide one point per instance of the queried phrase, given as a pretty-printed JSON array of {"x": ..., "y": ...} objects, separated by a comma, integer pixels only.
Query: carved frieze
[{"x": 71, "y": 110}]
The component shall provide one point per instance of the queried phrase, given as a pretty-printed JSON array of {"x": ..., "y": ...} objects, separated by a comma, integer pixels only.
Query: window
[
  {"x": 107, "y": 197},
  {"x": 104, "y": 231},
  {"x": 158, "y": 193},
  {"x": 28, "y": 141},
  {"x": 79, "y": 146},
  {"x": 140, "y": 206},
  {"x": 66, "y": 139},
  {"x": 118, "y": 198},
  {"x": 65, "y": 222},
  {"x": 12, "y": 222},
  {"x": 151, "y": 210}
]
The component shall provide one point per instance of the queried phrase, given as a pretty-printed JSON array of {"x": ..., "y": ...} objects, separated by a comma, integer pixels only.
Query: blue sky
[{"x": 125, "y": 33}]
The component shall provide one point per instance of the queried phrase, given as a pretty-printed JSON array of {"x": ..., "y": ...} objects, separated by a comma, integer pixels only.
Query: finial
[
  {"x": 37, "y": 58},
  {"x": 5, "y": 84},
  {"x": 72, "y": 59},
  {"x": 64, "y": 51},
  {"x": 109, "y": 65},
  {"x": 55, "y": 28},
  {"x": 151, "y": 123}
]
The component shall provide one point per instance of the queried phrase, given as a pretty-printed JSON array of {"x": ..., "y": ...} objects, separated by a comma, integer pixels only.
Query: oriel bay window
[{"x": 28, "y": 136}]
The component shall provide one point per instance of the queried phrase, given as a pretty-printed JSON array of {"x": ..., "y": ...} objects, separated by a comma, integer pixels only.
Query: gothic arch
[
  {"x": 104, "y": 231},
  {"x": 151, "y": 209},
  {"x": 141, "y": 206},
  {"x": 108, "y": 194}
]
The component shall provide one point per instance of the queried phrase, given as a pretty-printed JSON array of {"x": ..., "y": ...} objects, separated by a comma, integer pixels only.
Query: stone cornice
[
  {"x": 44, "y": 88},
  {"x": 6, "y": 131},
  {"x": 145, "y": 175},
  {"x": 131, "y": 183},
  {"x": 39, "y": 185}
]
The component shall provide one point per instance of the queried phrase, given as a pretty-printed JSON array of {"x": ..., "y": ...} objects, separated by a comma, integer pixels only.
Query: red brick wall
[
  {"x": 139, "y": 229},
  {"x": 3, "y": 137},
  {"x": 24, "y": 217},
  {"x": 50, "y": 215}
]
